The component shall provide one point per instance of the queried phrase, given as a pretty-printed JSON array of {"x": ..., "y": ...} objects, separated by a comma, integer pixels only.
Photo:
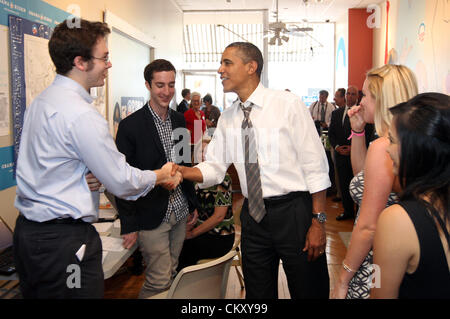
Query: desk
[{"x": 115, "y": 259}]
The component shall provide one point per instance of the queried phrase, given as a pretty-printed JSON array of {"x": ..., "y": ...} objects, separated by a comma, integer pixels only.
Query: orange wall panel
[{"x": 360, "y": 46}]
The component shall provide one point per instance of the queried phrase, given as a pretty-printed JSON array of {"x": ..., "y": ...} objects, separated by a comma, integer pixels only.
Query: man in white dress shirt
[
  {"x": 58, "y": 253},
  {"x": 287, "y": 220},
  {"x": 321, "y": 111}
]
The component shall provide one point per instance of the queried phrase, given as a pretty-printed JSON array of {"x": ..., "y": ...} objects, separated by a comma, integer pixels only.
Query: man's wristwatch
[{"x": 321, "y": 217}]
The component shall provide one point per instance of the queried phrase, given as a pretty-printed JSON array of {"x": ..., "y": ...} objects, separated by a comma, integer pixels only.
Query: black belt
[
  {"x": 68, "y": 220},
  {"x": 58, "y": 221},
  {"x": 276, "y": 200}
]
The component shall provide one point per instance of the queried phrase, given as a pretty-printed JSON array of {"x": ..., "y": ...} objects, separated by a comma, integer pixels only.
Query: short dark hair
[
  {"x": 323, "y": 92},
  {"x": 185, "y": 92},
  {"x": 250, "y": 52},
  {"x": 67, "y": 42},
  {"x": 158, "y": 65},
  {"x": 207, "y": 98},
  {"x": 423, "y": 131},
  {"x": 341, "y": 92}
]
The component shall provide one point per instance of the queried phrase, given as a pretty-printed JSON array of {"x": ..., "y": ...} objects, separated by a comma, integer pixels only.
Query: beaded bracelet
[
  {"x": 347, "y": 268},
  {"x": 357, "y": 134}
]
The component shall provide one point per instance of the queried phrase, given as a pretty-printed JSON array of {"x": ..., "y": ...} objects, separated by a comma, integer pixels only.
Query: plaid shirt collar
[{"x": 157, "y": 117}]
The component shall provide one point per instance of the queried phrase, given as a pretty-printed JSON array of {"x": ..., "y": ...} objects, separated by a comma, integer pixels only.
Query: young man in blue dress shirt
[{"x": 63, "y": 139}]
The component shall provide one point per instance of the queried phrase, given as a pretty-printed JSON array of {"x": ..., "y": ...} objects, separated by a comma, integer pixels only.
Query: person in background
[
  {"x": 373, "y": 187},
  {"x": 411, "y": 245},
  {"x": 338, "y": 134},
  {"x": 360, "y": 96},
  {"x": 184, "y": 104},
  {"x": 195, "y": 114},
  {"x": 213, "y": 235},
  {"x": 212, "y": 113},
  {"x": 339, "y": 100},
  {"x": 321, "y": 112},
  {"x": 64, "y": 137},
  {"x": 196, "y": 124}
]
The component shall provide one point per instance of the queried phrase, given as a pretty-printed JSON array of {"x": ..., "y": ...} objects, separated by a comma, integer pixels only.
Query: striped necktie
[
  {"x": 322, "y": 113},
  {"x": 256, "y": 207}
]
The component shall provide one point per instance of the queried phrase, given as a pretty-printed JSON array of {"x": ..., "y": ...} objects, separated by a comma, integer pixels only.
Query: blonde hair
[
  {"x": 390, "y": 85},
  {"x": 195, "y": 94}
]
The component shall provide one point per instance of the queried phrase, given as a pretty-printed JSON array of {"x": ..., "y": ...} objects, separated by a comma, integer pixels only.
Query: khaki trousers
[{"x": 160, "y": 248}]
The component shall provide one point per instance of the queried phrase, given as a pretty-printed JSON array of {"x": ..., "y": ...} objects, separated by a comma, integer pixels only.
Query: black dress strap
[
  {"x": 431, "y": 278},
  {"x": 436, "y": 214}
]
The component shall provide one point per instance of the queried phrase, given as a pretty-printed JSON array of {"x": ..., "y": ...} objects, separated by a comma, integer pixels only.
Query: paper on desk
[
  {"x": 104, "y": 202},
  {"x": 112, "y": 243},
  {"x": 107, "y": 213},
  {"x": 104, "y": 254},
  {"x": 116, "y": 223},
  {"x": 103, "y": 228}
]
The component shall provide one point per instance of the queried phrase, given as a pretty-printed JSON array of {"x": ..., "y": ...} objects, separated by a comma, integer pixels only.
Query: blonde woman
[{"x": 373, "y": 184}]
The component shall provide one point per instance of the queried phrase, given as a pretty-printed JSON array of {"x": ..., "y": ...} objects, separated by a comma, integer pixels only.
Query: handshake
[{"x": 169, "y": 176}]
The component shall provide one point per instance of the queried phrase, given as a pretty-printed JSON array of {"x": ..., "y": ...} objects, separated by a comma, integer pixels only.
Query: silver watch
[{"x": 321, "y": 217}]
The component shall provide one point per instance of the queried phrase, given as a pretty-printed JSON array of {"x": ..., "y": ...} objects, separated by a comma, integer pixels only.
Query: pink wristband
[{"x": 356, "y": 134}]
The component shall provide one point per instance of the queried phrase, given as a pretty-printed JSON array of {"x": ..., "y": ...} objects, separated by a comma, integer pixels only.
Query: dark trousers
[
  {"x": 345, "y": 174},
  {"x": 331, "y": 173},
  {"x": 46, "y": 262},
  {"x": 205, "y": 246},
  {"x": 281, "y": 234}
]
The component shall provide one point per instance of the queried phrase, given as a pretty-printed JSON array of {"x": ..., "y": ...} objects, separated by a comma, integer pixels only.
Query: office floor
[{"x": 126, "y": 285}]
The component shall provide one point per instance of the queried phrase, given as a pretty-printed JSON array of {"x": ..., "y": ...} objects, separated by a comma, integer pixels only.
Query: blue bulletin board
[{"x": 33, "y": 18}]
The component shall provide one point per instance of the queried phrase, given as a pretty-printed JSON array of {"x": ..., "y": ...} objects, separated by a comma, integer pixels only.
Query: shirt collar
[
  {"x": 157, "y": 117},
  {"x": 257, "y": 97},
  {"x": 67, "y": 82}
]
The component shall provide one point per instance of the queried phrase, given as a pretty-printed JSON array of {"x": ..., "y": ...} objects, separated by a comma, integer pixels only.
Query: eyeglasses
[{"x": 106, "y": 59}]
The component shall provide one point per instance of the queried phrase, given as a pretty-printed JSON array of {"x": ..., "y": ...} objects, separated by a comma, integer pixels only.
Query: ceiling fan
[{"x": 281, "y": 32}]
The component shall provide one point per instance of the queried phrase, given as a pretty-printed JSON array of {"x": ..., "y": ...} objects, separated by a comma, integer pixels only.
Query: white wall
[
  {"x": 341, "y": 57},
  {"x": 418, "y": 37},
  {"x": 161, "y": 20},
  {"x": 379, "y": 33}
]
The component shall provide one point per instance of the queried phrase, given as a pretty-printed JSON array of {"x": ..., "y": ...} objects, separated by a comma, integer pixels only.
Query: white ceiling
[{"x": 289, "y": 10}]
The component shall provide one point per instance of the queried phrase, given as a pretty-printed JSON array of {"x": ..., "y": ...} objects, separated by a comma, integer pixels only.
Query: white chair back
[{"x": 203, "y": 281}]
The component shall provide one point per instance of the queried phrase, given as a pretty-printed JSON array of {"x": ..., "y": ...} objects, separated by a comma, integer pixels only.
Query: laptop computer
[{"x": 7, "y": 266}]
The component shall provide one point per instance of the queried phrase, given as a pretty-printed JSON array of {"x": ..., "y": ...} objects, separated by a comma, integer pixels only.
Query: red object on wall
[
  {"x": 386, "y": 54},
  {"x": 360, "y": 46}
]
